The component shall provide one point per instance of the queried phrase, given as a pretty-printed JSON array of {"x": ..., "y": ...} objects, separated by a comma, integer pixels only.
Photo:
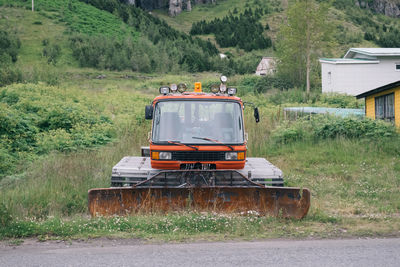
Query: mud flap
[{"x": 274, "y": 201}]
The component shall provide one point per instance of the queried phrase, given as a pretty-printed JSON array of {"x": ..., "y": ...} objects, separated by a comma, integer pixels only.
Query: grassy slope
[
  {"x": 31, "y": 36},
  {"x": 55, "y": 20}
]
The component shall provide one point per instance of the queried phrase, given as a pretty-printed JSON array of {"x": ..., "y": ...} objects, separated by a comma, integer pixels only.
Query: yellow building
[{"x": 383, "y": 102}]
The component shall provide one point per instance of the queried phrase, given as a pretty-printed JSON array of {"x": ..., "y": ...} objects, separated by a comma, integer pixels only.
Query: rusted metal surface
[{"x": 275, "y": 201}]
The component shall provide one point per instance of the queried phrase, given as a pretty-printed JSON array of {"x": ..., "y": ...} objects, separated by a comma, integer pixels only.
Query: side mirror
[
  {"x": 256, "y": 115},
  {"x": 148, "y": 112}
]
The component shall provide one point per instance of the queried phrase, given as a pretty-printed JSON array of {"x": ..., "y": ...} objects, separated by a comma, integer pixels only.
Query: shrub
[
  {"x": 340, "y": 100},
  {"x": 5, "y": 215},
  {"x": 9, "y": 74},
  {"x": 36, "y": 120},
  {"x": 272, "y": 82},
  {"x": 328, "y": 127},
  {"x": 51, "y": 51},
  {"x": 9, "y": 47}
]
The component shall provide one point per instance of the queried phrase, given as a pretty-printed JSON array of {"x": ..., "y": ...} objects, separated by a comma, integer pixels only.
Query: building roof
[
  {"x": 374, "y": 52},
  {"x": 348, "y": 61},
  {"x": 379, "y": 89}
]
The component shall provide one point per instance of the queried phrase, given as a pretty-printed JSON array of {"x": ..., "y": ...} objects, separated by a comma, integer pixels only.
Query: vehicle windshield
[{"x": 198, "y": 122}]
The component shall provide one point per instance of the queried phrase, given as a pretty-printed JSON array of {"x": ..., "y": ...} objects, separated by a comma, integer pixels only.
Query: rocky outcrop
[
  {"x": 390, "y": 8},
  {"x": 175, "y": 7}
]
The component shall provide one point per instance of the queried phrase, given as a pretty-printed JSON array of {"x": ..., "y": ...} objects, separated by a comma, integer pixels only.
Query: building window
[
  {"x": 398, "y": 66},
  {"x": 384, "y": 107}
]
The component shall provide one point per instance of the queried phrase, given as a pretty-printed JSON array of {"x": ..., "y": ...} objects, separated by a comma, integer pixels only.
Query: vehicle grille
[{"x": 198, "y": 155}]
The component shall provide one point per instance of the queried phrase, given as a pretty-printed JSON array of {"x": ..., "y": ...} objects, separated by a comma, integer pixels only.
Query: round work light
[{"x": 182, "y": 87}]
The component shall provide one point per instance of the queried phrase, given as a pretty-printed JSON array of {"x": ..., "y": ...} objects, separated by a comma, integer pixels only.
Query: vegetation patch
[
  {"x": 36, "y": 120},
  {"x": 9, "y": 48},
  {"x": 244, "y": 31},
  {"x": 319, "y": 127},
  {"x": 81, "y": 18},
  {"x": 189, "y": 226}
]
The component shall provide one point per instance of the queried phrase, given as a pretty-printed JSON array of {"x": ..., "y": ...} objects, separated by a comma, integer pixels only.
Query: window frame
[{"x": 385, "y": 100}]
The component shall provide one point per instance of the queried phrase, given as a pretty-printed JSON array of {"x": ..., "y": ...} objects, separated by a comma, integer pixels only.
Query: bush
[
  {"x": 9, "y": 47},
  {"x": 315, "y": 128},
  {"x": 9, "y": 74},
  {"x": 36, "y": 120},
  {"x": 51, "y": 51},
  {"x": 340, "y": 100},
  {"x": 5, "y": 215},
  {"x": 272, "y": 82}
]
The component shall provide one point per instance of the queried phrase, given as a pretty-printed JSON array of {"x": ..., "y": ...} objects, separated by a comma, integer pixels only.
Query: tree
[{"x": 306, "y": 34}]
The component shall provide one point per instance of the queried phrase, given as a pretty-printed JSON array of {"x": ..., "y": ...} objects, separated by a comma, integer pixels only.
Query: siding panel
[{"x": 370, "y": 107}]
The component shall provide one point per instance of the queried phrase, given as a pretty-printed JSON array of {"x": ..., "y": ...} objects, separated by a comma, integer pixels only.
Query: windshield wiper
[
  {"x": 212, "y": 140},
  {"x": 182, "y": 144}
]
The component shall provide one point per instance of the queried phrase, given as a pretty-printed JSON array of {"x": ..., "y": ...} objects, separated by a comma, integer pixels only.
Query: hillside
[
  {"x": 145, "y": 43},
  {"x": 357, "y": 25}
]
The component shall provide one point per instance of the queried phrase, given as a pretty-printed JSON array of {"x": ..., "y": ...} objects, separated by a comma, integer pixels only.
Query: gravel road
[{"x": 103, "y": 252}]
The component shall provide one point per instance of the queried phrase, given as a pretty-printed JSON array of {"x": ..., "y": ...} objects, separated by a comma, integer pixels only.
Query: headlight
[
  {"x": 234, "y": 156},
  {"x": 182, "y": 87},
  {"x": 165, "y": 155},
  {"x": 222, "y": 88},
  {"x": 215, "y": 88},
  {"x": 232, "y": 91},
  {"x": 174, "y": 87},
  {"x": 231, "y": 155},
  {"x": 224, "y": 79},
  {"x": 164, "y": 90}
]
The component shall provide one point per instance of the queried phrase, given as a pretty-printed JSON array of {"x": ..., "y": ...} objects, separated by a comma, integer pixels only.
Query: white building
[
  {"x": 266, "y": 66},
  {"x": 360, "y": 70}
]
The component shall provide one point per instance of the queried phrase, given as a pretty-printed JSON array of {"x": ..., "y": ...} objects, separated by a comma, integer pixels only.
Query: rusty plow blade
[{"x": 273, "y": 201}]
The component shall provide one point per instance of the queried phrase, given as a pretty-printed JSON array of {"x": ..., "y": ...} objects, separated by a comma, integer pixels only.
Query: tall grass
[{"x": 57, "y": 183}]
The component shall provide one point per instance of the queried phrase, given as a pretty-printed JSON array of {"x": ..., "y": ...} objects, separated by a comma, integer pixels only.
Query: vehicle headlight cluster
[
  {"x": 161, "y": 155},
  {"x": 234, "y": 156}
]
